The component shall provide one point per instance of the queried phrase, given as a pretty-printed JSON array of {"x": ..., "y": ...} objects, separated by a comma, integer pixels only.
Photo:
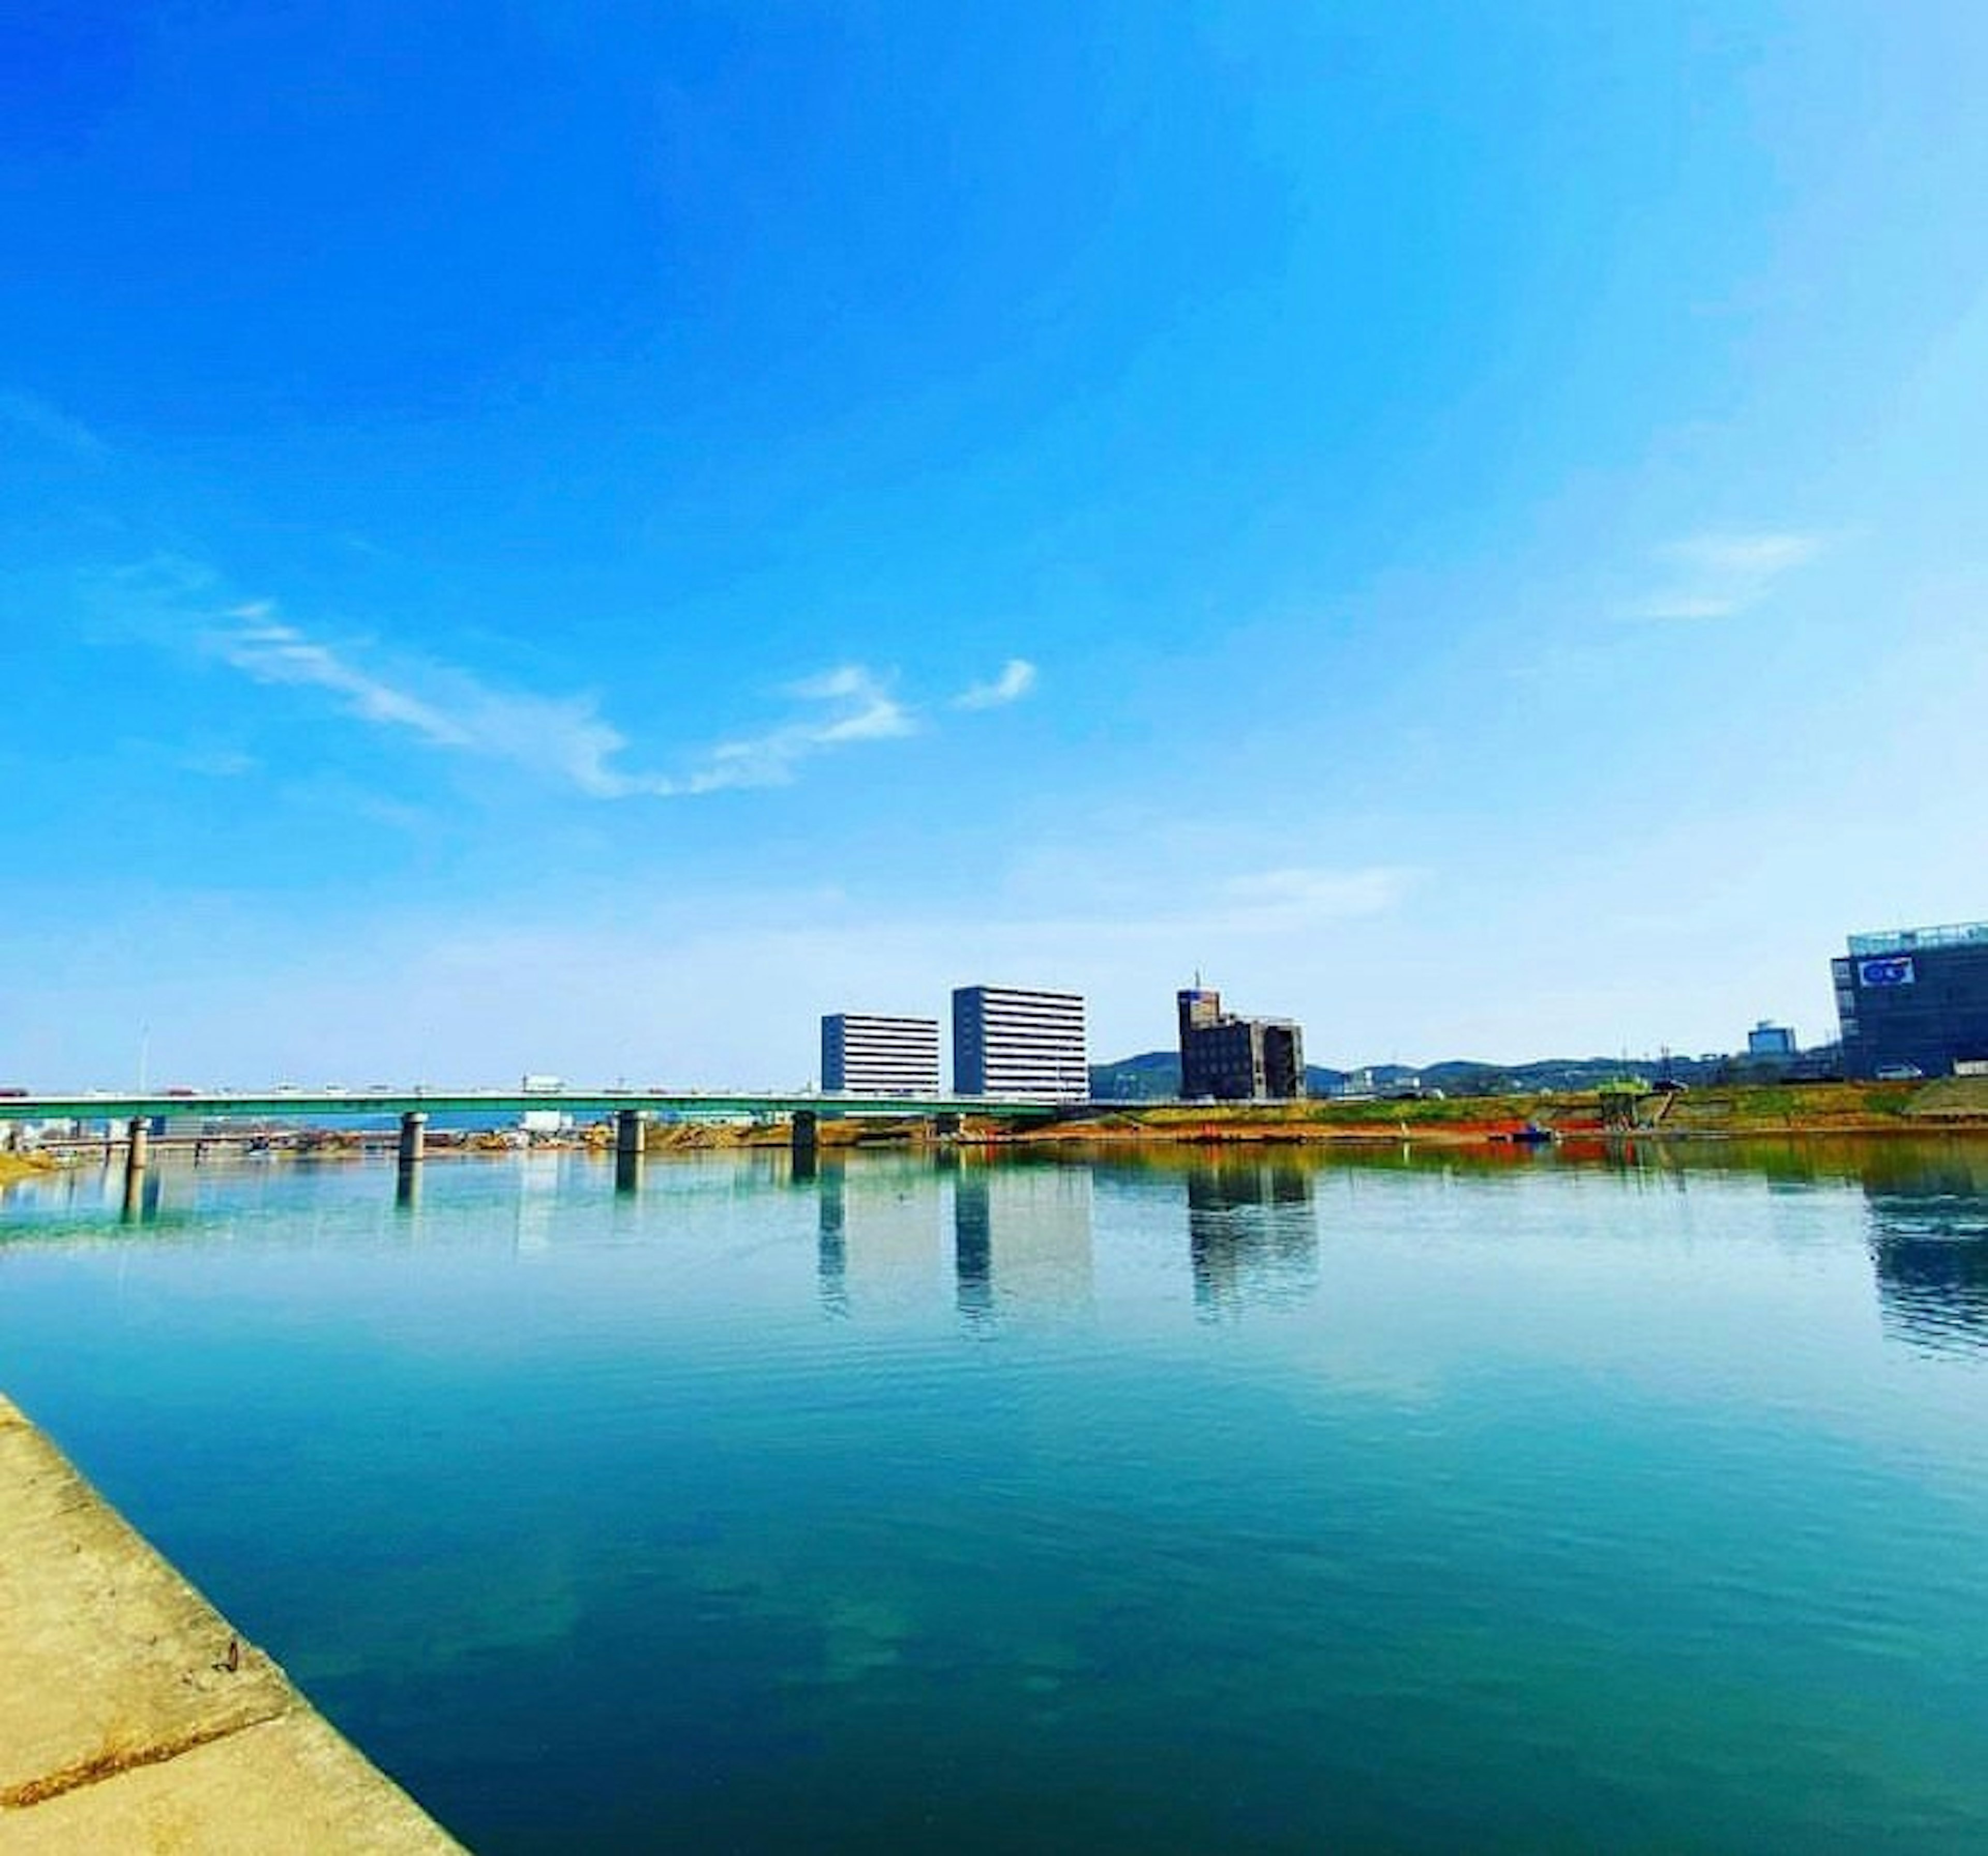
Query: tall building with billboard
[
  {"x": 868, "y": 1055},
  {"x": 1913, "y": 1001},
  {"x": 1235, "y": 1059},
  {"x": 1027, "y": 1046}
]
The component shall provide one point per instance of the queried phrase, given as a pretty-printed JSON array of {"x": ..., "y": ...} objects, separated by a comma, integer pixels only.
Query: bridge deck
[{"x": 278, "y": 1105}]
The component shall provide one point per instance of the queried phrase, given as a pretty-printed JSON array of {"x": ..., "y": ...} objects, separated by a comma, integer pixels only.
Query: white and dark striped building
[
  {"x": 868, "y": 1055},
  {"x": 1026, "y": 1045}
]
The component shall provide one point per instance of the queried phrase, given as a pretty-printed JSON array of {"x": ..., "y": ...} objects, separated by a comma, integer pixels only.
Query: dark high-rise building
[
  {"x": 1234, "y": 1058},
  {"x": 1914, "y": 1001}
]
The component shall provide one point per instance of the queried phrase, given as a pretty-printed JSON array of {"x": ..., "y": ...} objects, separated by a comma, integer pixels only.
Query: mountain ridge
[{"x": 1154, "y": 1075}]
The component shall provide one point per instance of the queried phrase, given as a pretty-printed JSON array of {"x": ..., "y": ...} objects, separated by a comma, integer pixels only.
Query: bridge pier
[
  {"x": 413, "y": 1150},
  {"x": 138, "y": 1147},
  {"x": 807, "y": 1132},
  {"x": 628, "y": 1145}
]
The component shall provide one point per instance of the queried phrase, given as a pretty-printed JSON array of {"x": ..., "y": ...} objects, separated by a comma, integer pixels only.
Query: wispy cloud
[
  {"x": 1715, "y": 576},
  {"x": 271, "y": 651},
  {"x": 564, "y": 739},
  {"x": 1297, "y": 896},
  {"x": 857, "y": 708},
  {"x": 219, "y": 763},
  {"x": 29, "y": 413},
  {"x": 1017, "y": 678}
]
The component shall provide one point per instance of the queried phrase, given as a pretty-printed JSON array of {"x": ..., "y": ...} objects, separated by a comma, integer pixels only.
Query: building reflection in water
[
  {"x": 879, "y": 1241},
  {"x": 540, "y": 1174},
  {"x": 1253, "y": 1235},
  {"x": 1021, "y": 1235},
  {"x": 831, "y": 1247},
  {"x": 1929, "y": 1237}
]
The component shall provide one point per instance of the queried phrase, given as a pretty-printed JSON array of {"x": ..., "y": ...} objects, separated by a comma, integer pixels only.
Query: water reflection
[
  {"x": 1253, "y": 1234},
  {"x": 1021, "y": 1239},
  {"x": 1021, "y": 1233},
  {"x": 1928, "y": 1237},
  {"x": 878, "y": 1232},
  {"x": 541, "y": 1177},
  {"x": 831, "y": 1253},
  {"x": 138, "y": 1202}
]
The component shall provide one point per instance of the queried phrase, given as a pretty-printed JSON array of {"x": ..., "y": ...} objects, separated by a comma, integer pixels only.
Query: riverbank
[
  {"x": 23, "y": 1166},
  {"x": 1729, "y": 1112},
  {"x": 1736, "y": 1111},
  {"x": 132, "y": 1716}
]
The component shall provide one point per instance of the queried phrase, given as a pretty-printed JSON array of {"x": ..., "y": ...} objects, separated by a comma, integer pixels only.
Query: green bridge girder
[{"x": 283, "y": 1104}]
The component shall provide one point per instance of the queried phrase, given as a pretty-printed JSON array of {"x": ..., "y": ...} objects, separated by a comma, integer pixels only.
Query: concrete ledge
[{"x": 134, "y": 1718}]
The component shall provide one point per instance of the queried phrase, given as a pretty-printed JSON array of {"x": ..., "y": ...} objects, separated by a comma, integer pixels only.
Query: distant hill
[{"x": 1154, "y": 1075}]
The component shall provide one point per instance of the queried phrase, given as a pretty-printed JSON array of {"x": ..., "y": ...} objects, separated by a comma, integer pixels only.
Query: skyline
[{"x": 535, "y": 543}]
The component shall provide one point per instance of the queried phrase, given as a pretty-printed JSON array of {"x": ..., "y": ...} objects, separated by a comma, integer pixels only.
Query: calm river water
[{"x": 1251, "y": 1503}]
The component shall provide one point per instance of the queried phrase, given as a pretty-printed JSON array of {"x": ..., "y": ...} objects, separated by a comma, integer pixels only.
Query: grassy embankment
[
  {"x": 1735, "y": 1112},
  {"x": 1719, "y": 1112}
]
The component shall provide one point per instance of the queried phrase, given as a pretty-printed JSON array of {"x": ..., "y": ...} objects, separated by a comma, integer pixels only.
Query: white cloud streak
[
  {"x": 1017, "y": 678},
  {"x": 860, "y": 710},
  {"x": 1718, "y": 575},
  {"x": 30, "y": 412},
  {"x": 564, "y": 739},
  {"x": 1277, "y": 900}
]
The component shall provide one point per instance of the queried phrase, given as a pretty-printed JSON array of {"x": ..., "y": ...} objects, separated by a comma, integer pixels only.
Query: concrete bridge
[
  {"x": 277, "y": 1104},
  {"x": 630, "y": 1109}
]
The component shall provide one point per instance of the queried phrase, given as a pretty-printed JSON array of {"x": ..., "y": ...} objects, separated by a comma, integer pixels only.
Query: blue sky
[{"x": 578, "y": 538}]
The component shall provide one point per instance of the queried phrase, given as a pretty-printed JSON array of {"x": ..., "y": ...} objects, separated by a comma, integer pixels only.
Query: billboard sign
[{"x": 1895, "y": 970}]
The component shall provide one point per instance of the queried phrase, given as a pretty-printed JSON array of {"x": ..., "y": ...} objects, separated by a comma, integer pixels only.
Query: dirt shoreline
[
  {"x": 1730, "y": 1112},
  {"x": 1947, "y": 1106}
]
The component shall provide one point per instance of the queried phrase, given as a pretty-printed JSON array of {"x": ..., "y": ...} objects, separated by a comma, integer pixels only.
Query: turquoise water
[{"x": 1400, "y": 1504}]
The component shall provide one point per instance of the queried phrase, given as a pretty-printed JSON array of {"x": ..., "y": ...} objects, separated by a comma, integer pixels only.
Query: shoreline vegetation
[
  {"x": 1734, "y": 1111},
  {"x": 1728, "y": 1112}
]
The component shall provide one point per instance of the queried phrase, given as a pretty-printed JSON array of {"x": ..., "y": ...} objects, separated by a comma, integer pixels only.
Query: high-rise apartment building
[
  {"x": 865, "y": 1054},
  {"x": 1235, "y": 1059},
  {"x": 1027, "y": 1046},
  {"x": 1914, "y": 1001}
]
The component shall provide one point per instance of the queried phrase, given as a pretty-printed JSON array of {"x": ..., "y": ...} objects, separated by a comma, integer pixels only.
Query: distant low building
[
  {"x": 1913, "y": 1001},
  {"x": 867, "y": 1054},
  {"x": 1768, "y": 1040},
  {"x": 1234, "y": 1058}
]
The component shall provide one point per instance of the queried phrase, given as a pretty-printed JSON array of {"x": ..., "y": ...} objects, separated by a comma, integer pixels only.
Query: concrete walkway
[{"x": 133, "y": 1717}]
